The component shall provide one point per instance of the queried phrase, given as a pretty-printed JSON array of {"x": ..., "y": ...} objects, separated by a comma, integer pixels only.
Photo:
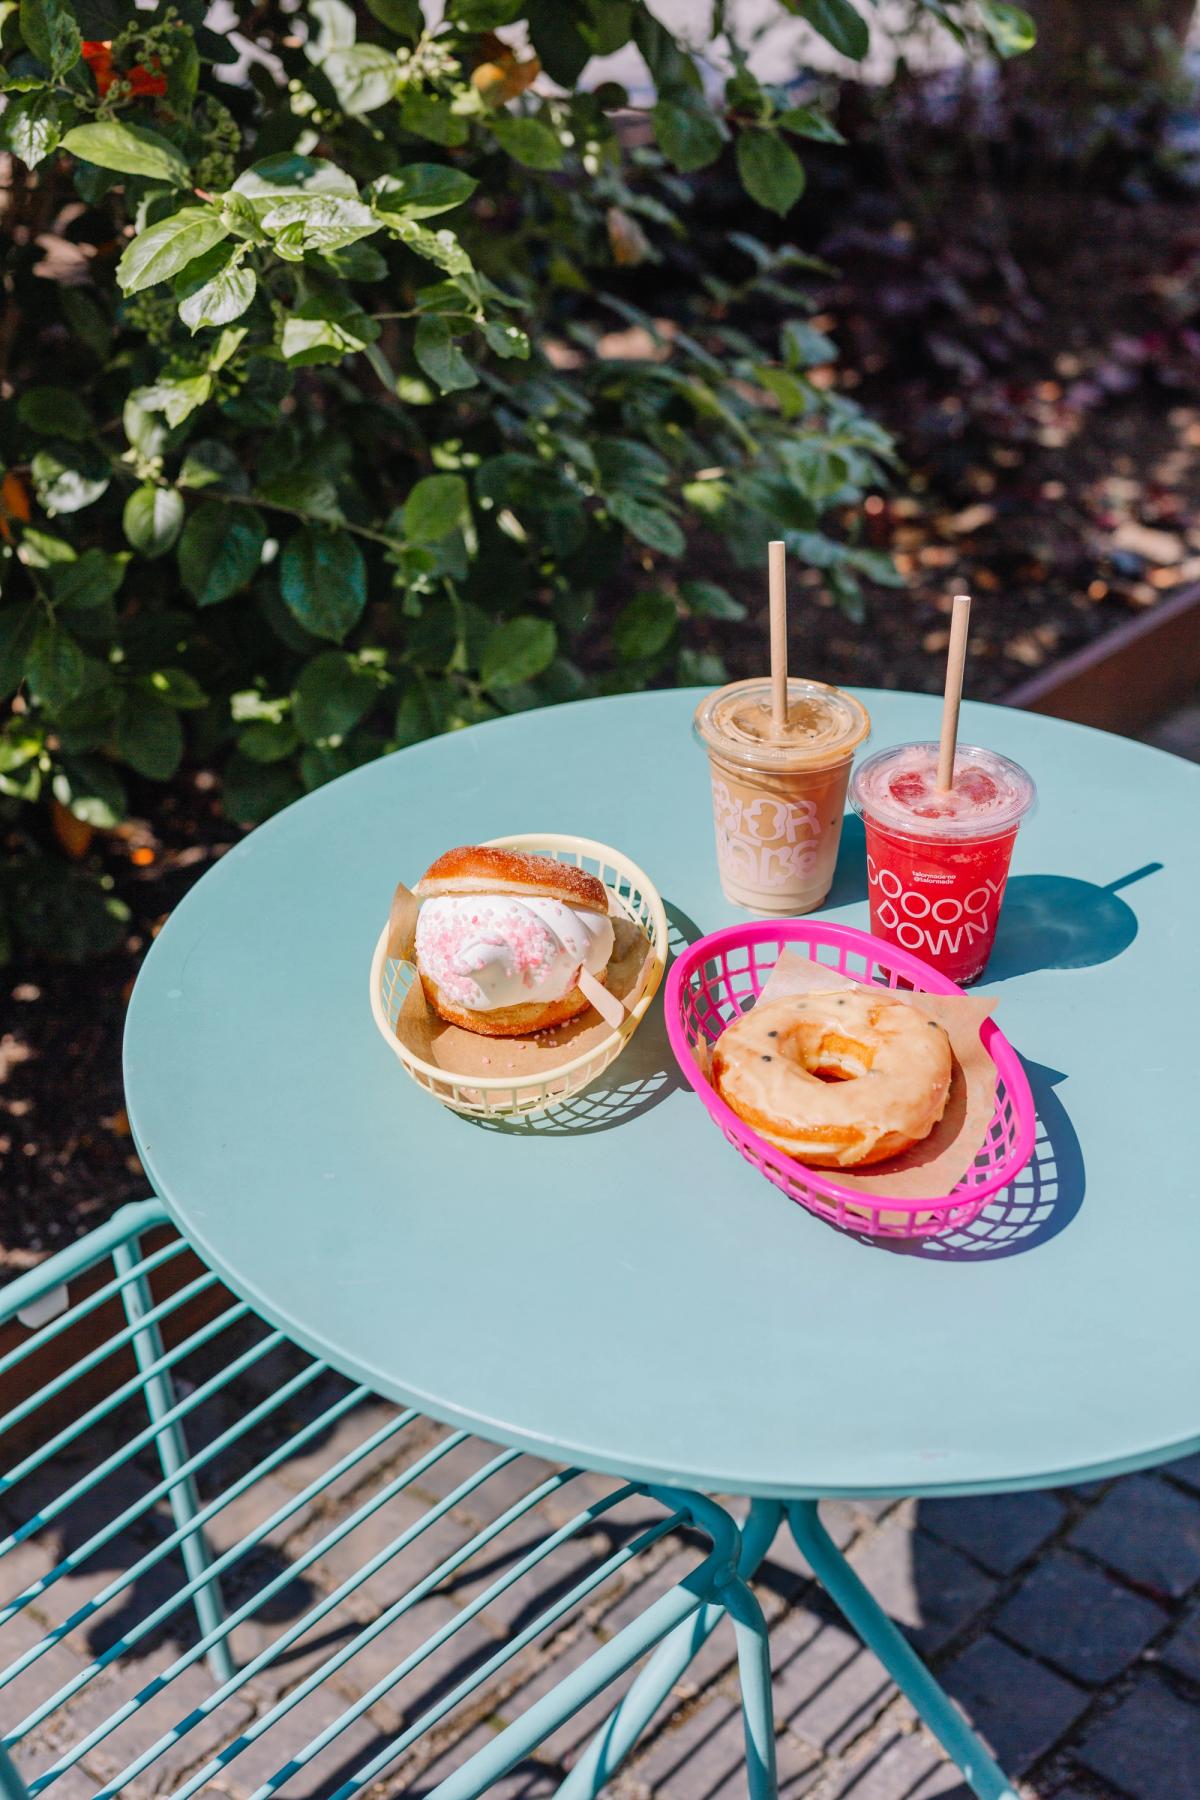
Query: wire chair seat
[{"x": 225, "y": 1569}]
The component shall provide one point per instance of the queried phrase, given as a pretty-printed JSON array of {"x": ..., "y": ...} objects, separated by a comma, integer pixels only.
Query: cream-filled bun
[{"x": 502, "y": 937}]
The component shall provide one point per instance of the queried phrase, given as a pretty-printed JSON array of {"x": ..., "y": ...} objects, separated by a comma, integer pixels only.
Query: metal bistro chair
[{"x": 185, "y": 1487}]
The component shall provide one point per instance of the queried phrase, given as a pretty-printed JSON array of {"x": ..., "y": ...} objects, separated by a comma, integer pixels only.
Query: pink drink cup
[{"x": 937, "y": 866}]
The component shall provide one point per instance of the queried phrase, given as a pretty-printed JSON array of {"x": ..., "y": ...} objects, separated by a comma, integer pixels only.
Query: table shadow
[
  {"x": 1030, "y": 1211},
  {"x": 1059, "y": 922},
  {"x": 642, "y": 1077}
]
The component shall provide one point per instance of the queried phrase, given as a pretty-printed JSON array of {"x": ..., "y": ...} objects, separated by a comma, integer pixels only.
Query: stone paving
[{"x": 1067, "y": 1624}]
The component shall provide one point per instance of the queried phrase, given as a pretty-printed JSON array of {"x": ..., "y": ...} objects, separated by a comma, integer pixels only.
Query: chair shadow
[
  {"x": 1034, "y": 1208},
  {"x": 642, "y": 1077},
  {"x": 1059, "y": 922}
]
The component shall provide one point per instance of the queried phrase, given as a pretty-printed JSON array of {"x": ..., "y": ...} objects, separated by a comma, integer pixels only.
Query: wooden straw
[
  {"x": 959, "y": 620},
  {"x": 777, "y": 592}
]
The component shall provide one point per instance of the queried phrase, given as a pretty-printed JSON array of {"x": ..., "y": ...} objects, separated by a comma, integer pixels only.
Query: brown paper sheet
[
  {"x": 467, "y": 1053},
  {"x": 932, "y": 1168}
]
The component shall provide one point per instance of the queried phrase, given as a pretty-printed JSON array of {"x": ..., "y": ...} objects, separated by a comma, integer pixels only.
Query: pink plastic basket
[{"x": 719, "y": 977}]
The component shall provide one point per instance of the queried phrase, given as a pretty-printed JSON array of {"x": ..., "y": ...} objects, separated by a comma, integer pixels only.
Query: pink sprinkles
[{"x": 455, "y": 950}]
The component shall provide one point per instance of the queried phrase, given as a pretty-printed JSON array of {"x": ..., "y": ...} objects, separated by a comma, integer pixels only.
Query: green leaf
[
  {"x": 321, "y": 331},
  {"x": 91, "y": 790},
  {"x": 91, "y": 580},
  {"x": 177, "y": 688},
  {"x": 149, "y": 736},
  {"x": 1010, "y": 28},
  {"x": 317, "y": 222},
  {"x": 18, "y": 624},
  {"x": 323, "y": 580},
  {"x": 164, "y": 249},
  {"x": 55, "y": 412},
  {"x": 252, "y": 791},
  {"x": 65, "y": 486},
  {"x": 175, "y": 397},
  {"x": 649, "y": 524},
  {"x": 484, "y": 15},
  {"x": 688, "y": 135},
  {"x": 307, "y": 490},
  {"x": 363, "y": 76},
  {"x": 56, "y": 666},
  {"x": 440, "y": 247},
  {"x": 808, "y": 122},
  {"x": 440, "y": 357},
  {"x": 528, "y": 141},
  {"x": 216, "y": 288},
  {"x": 709, "y": 601},
  {"x": 49, "y": 29},
  {"x": 517, "y": 650},
  {"x": 268, "y": 741},
  {"x": 153, "y": 519},
  {"x": 404, "y": 17},
  {"x": 430, "y": 118},
  {"x": 65, "y": 913},
  {"x": 332, "y": 695},
  {"x": 435, "y": 507},
  {"x": 422, "y": 190},
  {"x": 145, "y": 429},
  {"x": 838, "y": 23},
  {"x": 816, "y": 467},
  {"x": 86, "y": 320},
  {"x": 33, "y": 126},
  {"x": 506, "y": 340},
  {"x": 770, "y": 170},
  {"x": 220, "y": 550},
  {"x": 41, "y": 551},
  {"x": 289, "y": 175},
  {"x": 644, "y": 626},
  {"x": 209, "y": 463},
  {"x": 804, "y": 347},
  {"x": 131, "y": 149}
]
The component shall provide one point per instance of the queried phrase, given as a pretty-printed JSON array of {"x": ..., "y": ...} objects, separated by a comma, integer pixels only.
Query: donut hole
[
  {"x": 833, "y": 1072},
  {"x": 830, "y": 1055}
]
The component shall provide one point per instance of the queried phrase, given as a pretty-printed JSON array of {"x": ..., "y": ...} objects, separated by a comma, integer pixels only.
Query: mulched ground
[{"x": 1037, "y": 353}]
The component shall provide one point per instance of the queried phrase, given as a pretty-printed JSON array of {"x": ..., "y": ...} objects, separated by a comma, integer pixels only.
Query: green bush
[{"x": 312, "y": 449}]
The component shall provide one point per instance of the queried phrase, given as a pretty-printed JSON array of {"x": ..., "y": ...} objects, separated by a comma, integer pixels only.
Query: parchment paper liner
[
  {"x": 934, "y": 1167},
  {"x": 466, "y": 1053}
]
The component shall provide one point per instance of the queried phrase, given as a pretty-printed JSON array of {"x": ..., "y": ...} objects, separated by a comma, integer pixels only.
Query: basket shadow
[
  {"x": 1042, "y": 1201},
  {"x": 1058, "y": 922},
  {"x": 643, "y": 1076}
]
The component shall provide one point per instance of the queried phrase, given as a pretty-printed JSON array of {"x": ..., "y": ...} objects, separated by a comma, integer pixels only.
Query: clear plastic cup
[
  {"x": 937, "y": 863},
  {"x": 779, "y": 797}
]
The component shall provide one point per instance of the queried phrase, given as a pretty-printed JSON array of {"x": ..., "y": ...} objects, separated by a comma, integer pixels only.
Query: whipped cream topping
[{"x": 487, "y": 951}]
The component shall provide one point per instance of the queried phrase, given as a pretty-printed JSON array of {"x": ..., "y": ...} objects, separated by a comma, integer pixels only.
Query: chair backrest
[{"x": 184, "y": 1487}]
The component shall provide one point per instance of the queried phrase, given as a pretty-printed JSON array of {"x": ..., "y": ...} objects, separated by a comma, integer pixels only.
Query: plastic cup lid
[
  {"x": 824, "y": 725},
  {"x": 991, "y": 793}
]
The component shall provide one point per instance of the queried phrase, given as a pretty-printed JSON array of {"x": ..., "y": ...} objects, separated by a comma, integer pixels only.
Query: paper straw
[
  {"x": 777, "y": 592},
  {"x": 611, "y": 1010},
  {"x": 959, "y": 619}
]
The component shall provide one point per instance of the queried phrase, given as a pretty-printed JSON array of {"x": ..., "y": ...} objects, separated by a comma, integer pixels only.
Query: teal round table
[{"x": 615, "y": 1287}]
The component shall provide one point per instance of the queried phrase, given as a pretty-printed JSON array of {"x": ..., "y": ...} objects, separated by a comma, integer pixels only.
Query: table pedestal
[{"x": 632, "y": 1717}]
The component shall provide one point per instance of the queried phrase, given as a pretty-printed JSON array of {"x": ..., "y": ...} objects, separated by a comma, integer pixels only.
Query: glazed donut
[
  {"x": 502, "y": 937},
  {"x": 836, "y": 1079}
]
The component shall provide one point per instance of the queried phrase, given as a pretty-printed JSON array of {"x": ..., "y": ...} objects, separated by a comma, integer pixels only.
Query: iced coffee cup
[
  {"x": 937, "y": 862},
  {"x": 779, "y": 792}
]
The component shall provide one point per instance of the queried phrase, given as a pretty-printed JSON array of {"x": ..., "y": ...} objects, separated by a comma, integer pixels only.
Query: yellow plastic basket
[{"x": 499, "y": 1096}]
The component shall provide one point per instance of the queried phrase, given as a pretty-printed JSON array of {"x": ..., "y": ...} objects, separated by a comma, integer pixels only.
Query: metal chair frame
[{"x": 42, "y": 1302}]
